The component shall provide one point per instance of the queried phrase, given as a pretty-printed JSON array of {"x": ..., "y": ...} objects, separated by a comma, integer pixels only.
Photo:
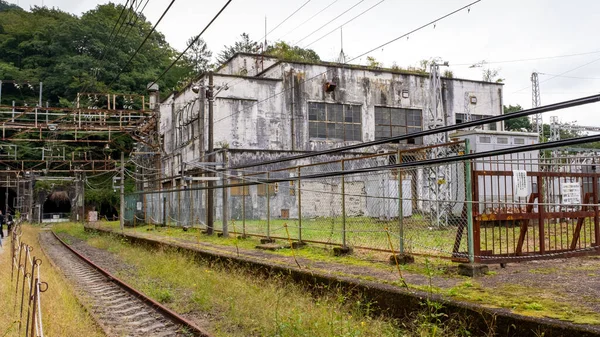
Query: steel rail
[{"x": 159, "y": 307}]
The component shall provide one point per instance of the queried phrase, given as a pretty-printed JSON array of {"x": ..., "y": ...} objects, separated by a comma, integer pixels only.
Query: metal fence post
[
  {"x": 299, "y": 207},
  {"x": 268, "y": 208},
  {"x": 469, "y": 197},
  {"x": 343, "y": 207},
  {"x": 244, "y": 189},
  {"x": 400, "y": 205},
  {"x": 164, "y": 211}
]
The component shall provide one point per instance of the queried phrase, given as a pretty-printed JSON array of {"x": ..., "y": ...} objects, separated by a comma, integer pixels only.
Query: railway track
[{"x": 118, "y": 308}]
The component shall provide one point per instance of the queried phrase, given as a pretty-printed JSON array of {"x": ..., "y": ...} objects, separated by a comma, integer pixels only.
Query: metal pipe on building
[
  {"x": 225, "y": 193},
  {"x": 210, "y": 201}
]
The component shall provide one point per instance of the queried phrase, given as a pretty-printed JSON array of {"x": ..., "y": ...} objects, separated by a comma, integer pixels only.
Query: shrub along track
[{"x": 118, "y": 308}]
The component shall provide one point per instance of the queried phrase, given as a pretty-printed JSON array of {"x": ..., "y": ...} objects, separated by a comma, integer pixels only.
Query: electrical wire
[
  {"x": 561, "y": 74},
  {"x": 191, "y": 44},
  {"x": 427, "y": 162},
  {"x": 307, "y": 20},
  {"x": 573, "y": 77},
  {"x": 343, "y": 24},
  {"x": 328, "y": 22},
  {"x": 142, "y": 44},
  {"x": 378, "y": 47},
  {"x": 109, "y": 41},
  {"x": 524, "y": 60},
  {"x": 282, "y": 22},
  {"x": 449, "y": 128}
]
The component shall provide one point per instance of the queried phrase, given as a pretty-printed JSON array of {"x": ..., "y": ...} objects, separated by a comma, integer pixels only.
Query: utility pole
[
  {"x": 122, "y": 212},
  {"x": 210, "y": 201}
]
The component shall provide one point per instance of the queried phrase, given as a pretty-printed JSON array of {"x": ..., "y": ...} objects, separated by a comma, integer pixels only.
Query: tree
[
  {"x": 284, "y": 51},
  {"x": 491, "y": 75},
  {"x": 6, "y": 6},
  {"x": 518, "y": 123},
  {"x": 198, "y": 56},
  {"x": 244, "y": 45}
]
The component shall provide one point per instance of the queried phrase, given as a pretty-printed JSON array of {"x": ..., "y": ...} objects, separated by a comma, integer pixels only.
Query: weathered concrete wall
[
  {"x": 247, "y": 65},
  {"x": 270, "y": 112}
]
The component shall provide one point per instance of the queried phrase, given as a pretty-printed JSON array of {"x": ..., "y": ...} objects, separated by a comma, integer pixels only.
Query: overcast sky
[{"x": 493, "y": 30}]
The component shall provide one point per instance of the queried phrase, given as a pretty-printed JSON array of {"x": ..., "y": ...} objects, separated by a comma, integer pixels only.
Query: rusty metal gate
[{"x": 525, "y": 208}]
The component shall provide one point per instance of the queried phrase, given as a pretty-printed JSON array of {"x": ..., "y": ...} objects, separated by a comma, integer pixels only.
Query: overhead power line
[
  {"x": 561, "y": 74},
  {"x": 343, "y": 24},
  {"x": 191, "y": 44},
  {"x": 449, "y": 128},
  {"x": 142, "y": 44},
  {"x": 380, "y": 46},
  {"x": 524, "y": 59},
  {"x": 573, "y": 77},
  {"x": 109, "y": 41},
  {"x": 282, "y": 22},
  {"x": 328, "y": 22},
  {"x": 307, "y": 20}
]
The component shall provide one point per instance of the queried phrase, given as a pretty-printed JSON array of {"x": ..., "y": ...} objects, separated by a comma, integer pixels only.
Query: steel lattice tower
[
  {"x": 437, "y": 177},
  {"x": 536, "y": 101}
]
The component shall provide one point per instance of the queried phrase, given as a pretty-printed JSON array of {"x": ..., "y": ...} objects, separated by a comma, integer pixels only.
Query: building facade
[
  {"x": 265, "y": 104},
  {"x": 265, "y": 108}
]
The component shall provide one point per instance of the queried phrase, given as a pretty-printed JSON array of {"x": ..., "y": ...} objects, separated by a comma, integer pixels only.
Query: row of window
[
  {"x": 343, "y": 122},
  {"x": 462, "y": 118}
]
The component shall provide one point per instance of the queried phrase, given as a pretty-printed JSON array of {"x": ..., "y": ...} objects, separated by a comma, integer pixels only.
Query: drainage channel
[{"x": 118, "y": 308}]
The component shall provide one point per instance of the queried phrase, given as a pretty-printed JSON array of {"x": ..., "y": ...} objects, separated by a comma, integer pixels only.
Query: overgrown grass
[
  {"x": 519, "y": 299},
  {"x": 241, "y": 303},
  {"x": 312, "y": 252},
  {"x": 525, "y": 300},
  {"x": 62, "y": 313}
]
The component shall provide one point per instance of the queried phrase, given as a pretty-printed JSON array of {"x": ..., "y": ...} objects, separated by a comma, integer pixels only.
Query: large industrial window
[
  {"x": 392, "y": 122},
  {"x": 462, "y": 118},
  {"x": 334, "y": 121}
]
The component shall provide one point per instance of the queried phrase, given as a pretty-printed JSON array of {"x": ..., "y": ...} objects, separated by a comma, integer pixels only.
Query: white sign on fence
[
  {"x": 571, "y": 193},
  {"x": 520, "y": 183},
  {"x": 92, "y": 216},
  {"x": 139, "y": 205}
]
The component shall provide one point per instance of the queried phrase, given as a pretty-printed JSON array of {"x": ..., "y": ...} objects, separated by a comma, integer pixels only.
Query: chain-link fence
[
  {"x": 490, "y": 209},
  {"x": 317, "y": 202}
]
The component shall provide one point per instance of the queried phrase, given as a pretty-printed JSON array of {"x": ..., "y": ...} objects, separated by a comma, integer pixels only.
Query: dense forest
[{"x": 69, "y": 53}]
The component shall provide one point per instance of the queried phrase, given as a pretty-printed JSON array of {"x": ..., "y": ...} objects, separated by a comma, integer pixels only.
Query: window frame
[
  {"x": 334, "y": 121},
  {"x": 394, "y": 123}
]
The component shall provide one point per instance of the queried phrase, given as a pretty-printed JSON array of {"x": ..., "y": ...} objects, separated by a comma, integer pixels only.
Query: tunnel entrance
[
  {"x": 57, "y": 206},
  {"x": 12, "y": 195}
]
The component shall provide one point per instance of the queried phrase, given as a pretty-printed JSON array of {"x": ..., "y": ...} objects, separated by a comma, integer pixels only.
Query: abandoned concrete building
[{"x": 265, "y": 108}]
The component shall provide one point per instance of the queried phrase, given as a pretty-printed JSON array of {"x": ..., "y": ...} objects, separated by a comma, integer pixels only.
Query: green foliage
[
  {"x": 516, "y": 124},
  {"x": 4, "y": 6},
  {"x": 284, "y": 51},
  {"x": 491, "y": 75},
  {"x": 244, "y": 45},
  {"x": 198, "y": 56},
  {"x": 69, "y": 53},
  {"x": 373, "y": 63}
]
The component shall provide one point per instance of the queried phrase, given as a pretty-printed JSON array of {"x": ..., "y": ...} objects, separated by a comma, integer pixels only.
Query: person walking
[
  {"x": 1, "y": 225},
  {"x": 9, "y": 222}
]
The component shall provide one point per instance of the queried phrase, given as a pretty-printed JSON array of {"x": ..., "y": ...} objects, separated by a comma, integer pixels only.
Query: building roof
[{"x": 325, "y": 64}]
